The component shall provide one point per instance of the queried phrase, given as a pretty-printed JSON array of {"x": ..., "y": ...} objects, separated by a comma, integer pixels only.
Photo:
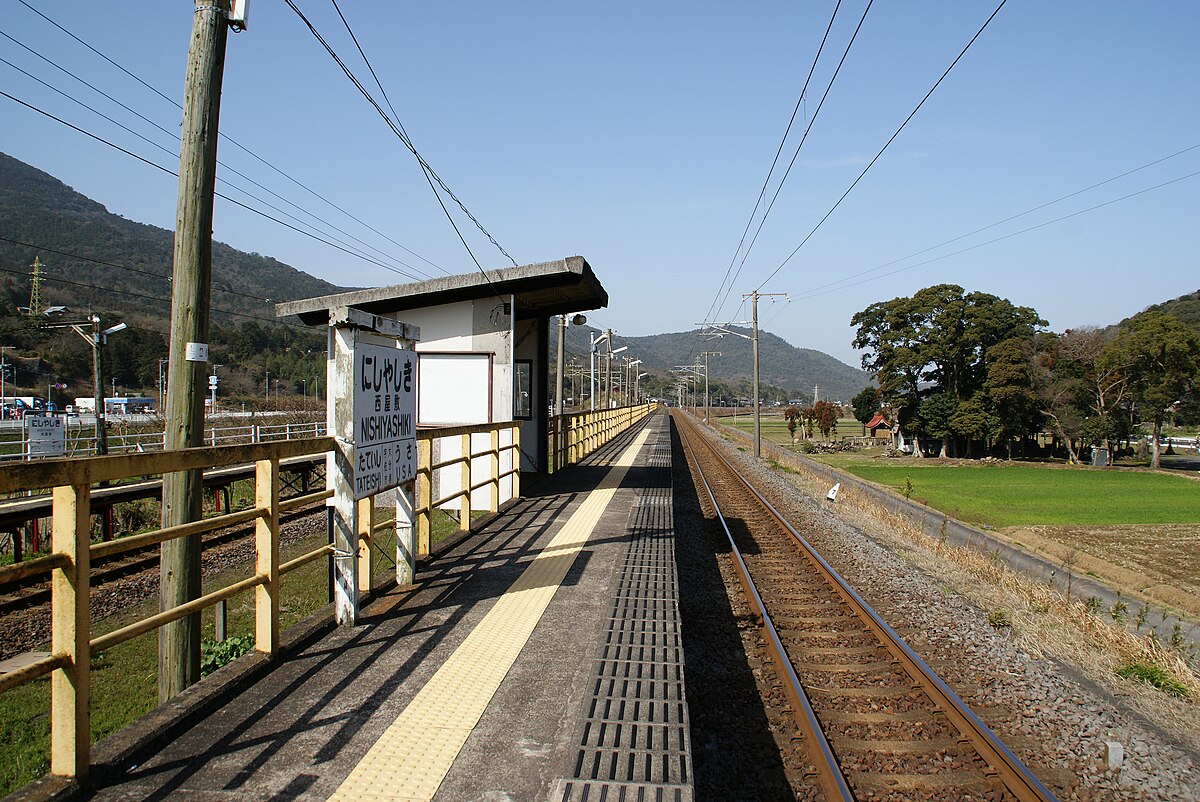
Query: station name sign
[
  {"x": 385, "y": 418},
  {"x": 46, "y": 435}
]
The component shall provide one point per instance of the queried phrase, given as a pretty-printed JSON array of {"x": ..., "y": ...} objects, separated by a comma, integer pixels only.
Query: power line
[
  {"x": 175, "y": 154},
  {"x": 164, "y": 277},
  {"x": 145, "y": 297},
  {"x": 408, "y": 144},
  {"x": 815, "y": 292},
  {"x": 766, "y": 181},
  {"x": 168, "y": 171},
  {"x": 1008, "y": 219},
  {"x": 804, "y": 138},
  {"x": 232, "y": 141},
  {"x": 887, "y": 144}
]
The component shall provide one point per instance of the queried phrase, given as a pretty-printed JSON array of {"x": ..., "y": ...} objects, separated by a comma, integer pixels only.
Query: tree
[
  {"x": 935, "y": 415},
  {"x": 792, "y": 416},
  {"x": 936, "y": 342},
  {"x": 1162, "y": 358},
  {"x": 826, "y": 414},
  {"x": 866, "y": 405},
  {"x": 1010, "y": 393},
  {"x": 971, "y": 419}
]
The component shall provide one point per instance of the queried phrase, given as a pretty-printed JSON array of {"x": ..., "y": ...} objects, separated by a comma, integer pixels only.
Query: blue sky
[{"x": 639, "y": 135}]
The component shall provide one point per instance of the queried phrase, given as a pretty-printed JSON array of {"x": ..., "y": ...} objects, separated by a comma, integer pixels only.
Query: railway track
[
  {"x": 876, "y": 722},
  {"x": 106, "y": 570}
]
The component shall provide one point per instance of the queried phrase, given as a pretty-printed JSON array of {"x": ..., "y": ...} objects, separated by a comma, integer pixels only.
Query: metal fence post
[
  {"x": 266, "y": 559},
  {"x": 70, "y": 686},
  {"x": 516, "y": 461},
  {"x": 366, "y": 555},
  {"x": 494, "y": 466},
  {"x": 464, "y": 503},
  {"x": 424, "y": 494}
]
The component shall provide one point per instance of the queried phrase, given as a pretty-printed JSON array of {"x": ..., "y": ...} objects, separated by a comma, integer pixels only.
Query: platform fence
[
  {"x": 467, "y": 468},
  {"x": 574, "y": 436}
]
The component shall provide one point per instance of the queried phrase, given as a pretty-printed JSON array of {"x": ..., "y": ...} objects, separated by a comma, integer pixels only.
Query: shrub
[
  {"x": 1155, "y": 676},
  {"x": 214, "y": 654}
]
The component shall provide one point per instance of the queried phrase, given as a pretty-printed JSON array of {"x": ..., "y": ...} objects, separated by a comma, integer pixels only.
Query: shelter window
[{"x": 523, "y": 389}]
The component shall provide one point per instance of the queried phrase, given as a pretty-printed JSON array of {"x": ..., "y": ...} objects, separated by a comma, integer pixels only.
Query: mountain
[
  {"x": 1185, "y": 308},
  {"x": 781, "y": 364},
  {"x": 40, "y": 210}
]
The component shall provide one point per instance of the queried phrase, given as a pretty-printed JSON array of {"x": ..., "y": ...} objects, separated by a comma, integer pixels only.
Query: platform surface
[{"x": 539, "y": 658}]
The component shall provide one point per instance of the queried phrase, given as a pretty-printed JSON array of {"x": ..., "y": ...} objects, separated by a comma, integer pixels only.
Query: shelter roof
[
  {"x": 543, "y": 289},
  {"x": 877, "y": 421}
]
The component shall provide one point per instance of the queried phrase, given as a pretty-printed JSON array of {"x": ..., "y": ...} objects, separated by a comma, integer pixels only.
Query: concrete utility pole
[
  {"x": 754, "y": 296},
  {"x": 707, "y": 401},
  {"x": 179, "y": 642}
]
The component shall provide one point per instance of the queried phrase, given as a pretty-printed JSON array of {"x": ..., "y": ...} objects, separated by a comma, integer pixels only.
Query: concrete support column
[
  {"x": 406, "y": 553},
  {"x": 339, "y": 473}
]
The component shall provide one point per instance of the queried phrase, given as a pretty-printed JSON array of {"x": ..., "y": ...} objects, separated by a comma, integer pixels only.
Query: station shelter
[{"x": 484, "y": 353}]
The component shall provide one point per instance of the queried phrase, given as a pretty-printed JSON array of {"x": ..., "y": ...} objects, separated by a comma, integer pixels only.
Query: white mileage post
[{"x": 385, "y": 406}]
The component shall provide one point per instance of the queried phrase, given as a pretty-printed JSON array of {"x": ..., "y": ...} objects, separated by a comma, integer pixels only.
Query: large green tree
[
  {"x": 936, "y": 342},
  {"x": 1162, "y": 359}
]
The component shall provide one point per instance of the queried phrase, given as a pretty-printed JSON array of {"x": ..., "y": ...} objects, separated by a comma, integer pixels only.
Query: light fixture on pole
[
  {"x": 594, "y": 342},
  {"x": 608, "y": 397}
]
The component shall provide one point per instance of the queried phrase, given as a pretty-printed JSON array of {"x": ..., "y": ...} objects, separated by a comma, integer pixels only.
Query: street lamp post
[
  {"x": 608, "y": 370},
  {"x": 595, "y": 341}
]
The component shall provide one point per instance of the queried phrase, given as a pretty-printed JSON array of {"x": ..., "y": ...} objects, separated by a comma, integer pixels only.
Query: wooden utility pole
[{"x": 179, "y": 642}]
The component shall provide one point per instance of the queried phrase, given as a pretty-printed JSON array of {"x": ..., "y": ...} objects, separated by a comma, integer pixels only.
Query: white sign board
[
  {"x": 385, "y": 406},
  {"x": 46, "y": 435}
]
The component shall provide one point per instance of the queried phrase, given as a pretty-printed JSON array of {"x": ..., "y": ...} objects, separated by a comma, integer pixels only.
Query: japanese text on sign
[{"x": 385, "y": 440}]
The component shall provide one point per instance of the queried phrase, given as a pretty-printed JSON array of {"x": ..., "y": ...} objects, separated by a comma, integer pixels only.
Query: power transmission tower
[
  {"x": 179, "y": 641},
  {"x": 35, "y": 289}
]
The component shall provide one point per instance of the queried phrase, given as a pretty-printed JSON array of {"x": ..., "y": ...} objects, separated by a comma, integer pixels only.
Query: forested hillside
[{"x": 96, "y": 262}]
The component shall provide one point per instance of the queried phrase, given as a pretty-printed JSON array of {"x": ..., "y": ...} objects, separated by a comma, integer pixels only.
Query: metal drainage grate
[{"x": 634, "y": 746}]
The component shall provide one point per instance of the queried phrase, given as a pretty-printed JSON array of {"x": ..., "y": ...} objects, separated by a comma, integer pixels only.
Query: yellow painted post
[
  {"x": 464, "y": 501},
  {"x": 70, "y": 687},
  {"x": 266, "y": 559},
  {"x": 494, "y": 461},
  {"x": 516, "y": 461},
  {"x": 424, "y": 495},
  {"x": 366, "y": 555}
]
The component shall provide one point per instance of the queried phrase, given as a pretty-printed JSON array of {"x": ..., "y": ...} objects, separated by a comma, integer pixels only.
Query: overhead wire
[
  {"x": 886, "y": 145},
  {"x": 175, "y": 154},
  {"x": 129, "y": 268},
  {"x": 796, "y": 152},
  {"x": 1008, "y": 219},
  {"x": 408, "y": 144},
  {"x": 169, "y": 171},
  {"x": 830, "y": 288},
  {"x": 227, "y": 138},
  {"x": 775, "y": 161}
]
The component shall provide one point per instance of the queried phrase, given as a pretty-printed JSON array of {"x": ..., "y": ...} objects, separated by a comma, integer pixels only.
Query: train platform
[{"x": 538, "y": 658}]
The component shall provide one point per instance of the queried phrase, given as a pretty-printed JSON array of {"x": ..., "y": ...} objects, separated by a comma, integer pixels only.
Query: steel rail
[
  {"x": 829, "y": 773},
  {"x": 1011, "y": 771}
]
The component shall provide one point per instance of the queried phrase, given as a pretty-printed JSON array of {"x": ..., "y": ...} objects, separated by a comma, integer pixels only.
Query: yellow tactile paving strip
[{"x": 411, "y": 758}]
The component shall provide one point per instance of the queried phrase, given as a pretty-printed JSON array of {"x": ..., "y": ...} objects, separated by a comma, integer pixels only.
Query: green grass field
[{"x": 1024, "y": 495}]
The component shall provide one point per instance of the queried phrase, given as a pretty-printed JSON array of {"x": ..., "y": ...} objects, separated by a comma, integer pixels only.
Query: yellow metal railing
[
  {"x": 580, "y": 433},
  {"x": 72, "y": 551}
]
